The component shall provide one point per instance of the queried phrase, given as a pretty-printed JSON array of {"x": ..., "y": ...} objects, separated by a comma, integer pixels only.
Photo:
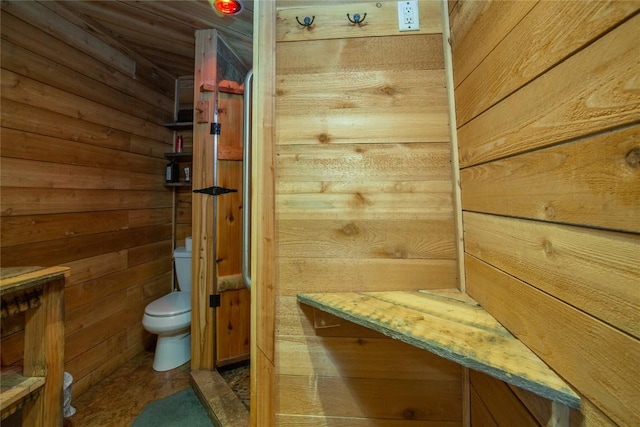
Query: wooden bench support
[
  {"x": 453, "y": 326},
  {"x": 38, "y": 390}
]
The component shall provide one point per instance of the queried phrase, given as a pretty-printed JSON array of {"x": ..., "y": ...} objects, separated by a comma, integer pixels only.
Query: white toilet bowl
[{"x": 170, "y": 318}]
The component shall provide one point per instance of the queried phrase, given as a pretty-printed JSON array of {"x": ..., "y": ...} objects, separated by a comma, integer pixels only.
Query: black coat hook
[
  {"x": 306, "y": 22},
  {"x": 356, "y": 18}
]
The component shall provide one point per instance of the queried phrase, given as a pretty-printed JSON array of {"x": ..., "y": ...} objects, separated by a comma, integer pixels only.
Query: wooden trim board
[
  {"x": 456, "y": 329},
  {"x": 221, "y": 403}
]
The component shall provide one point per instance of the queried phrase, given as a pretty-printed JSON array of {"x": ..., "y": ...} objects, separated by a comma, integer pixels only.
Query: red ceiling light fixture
[{"x": 228, "y": 7}]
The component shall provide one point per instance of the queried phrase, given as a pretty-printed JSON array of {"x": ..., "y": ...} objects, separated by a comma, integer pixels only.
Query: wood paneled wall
[
  {"x": 547, "y": 112},
  {"x": 363, "y": 203},
  {"x": 82, "y": 180}
]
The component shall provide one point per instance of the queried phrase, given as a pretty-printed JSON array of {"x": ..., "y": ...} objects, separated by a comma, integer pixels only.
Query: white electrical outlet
[{"x": 408, "y": 16}]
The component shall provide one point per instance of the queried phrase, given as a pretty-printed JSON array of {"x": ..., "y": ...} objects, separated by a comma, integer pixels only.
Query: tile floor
[{"x": 120, "y": 398}]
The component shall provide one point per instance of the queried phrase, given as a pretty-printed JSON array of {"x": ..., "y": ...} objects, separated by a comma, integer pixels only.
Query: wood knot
[
  {"x": 549, "y": 211},
  {"x": 398, "y": 253},
  {"x": 350, "y": 229},
  {"x": 388, "y": 90},
  {"x": 409, "y": 414},
  {"x": 323, "y": 138},
  {"x": 548, "y": 247},
  {"x": 361, "y": 200},
  {"x": 633, "y": 157}
]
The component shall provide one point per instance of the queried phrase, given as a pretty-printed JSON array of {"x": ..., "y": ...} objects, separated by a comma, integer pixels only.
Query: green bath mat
[{"x": 178, "y": 410}]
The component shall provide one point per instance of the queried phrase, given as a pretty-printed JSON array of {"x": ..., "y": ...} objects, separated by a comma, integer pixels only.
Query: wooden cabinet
[{"x": 37, "y": 388}]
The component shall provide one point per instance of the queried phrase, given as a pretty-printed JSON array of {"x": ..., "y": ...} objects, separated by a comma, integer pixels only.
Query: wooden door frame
[
  {"x": 203, "y": 321},
  {"x": 263, "y": 244}
]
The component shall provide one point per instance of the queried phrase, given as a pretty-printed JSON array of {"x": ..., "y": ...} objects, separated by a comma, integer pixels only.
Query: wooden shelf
[
  {"x": 16, "y": 389},
  {"x": 179, "y": 156},
  {"x": 36, "y": 390},
  {"x": 453, "y": 326},
  {"x": 179, "y": 125}
]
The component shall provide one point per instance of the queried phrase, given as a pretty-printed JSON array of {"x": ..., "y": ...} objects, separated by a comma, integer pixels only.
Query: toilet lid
[{"x": 170, "y": 305}]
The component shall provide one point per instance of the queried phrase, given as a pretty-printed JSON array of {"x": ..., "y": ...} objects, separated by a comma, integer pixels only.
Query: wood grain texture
[
  {"x": 478, "y": 26},
  {"x": 595, "y": 271},
  {"x": 538, "y": 117},
  {"x": 362, "y": 358},
  {"x": 44, "y": 336},
  {"x": 363, "y": 201},
  {"x": 33, "y": 201},
  {"x": 430, "y": 322},
  {"x": 20, "y": 60},
  {"x": 353, "y": 106},
  {"x": 59, "y": 23},
  {"x": 376, "y": 54},
  {"x": 263, "y": 244},
  {"x": 532, "y": 48},
  {"x": 82, "y": 172},
  {"x": 425, "y": 206},
  {"x": 31, "y": 37},
  {"x": 501, "y": 402},
  {"x": 333, "y": 164},
  {"x": 229, "y": 219},
  {"x": 370, "y": 397},
  {"x": 203, "y": 322},
  {"x": 599, "y": 364},
  {"x": 40, "y": 122},
  {"x": 233, "y": 335},
  {"x": 367, "y": 239},
  {"x": 370, "y": 274},
  {"x": 332, "y": 23},
  {"x": 599, "y": 172},
  {"x": 321, "y": 421},
  {"x": 478, "y": 412},
  {"x": 28, "y": 91},
  {"x": 41, "y": 148}
]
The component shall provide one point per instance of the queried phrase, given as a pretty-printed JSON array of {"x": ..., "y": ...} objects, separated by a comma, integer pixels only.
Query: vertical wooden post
[
  {"x": 457, "y": 191},
  {"x": 263, "y": 244},
  {"x": 44, "y": 355},
  {"x": 203, "y": 261}
]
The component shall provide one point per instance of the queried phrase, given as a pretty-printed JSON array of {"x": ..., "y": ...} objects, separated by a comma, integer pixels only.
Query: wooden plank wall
[
  {"x": 82, "y": 181},
  {"x": 363, "y": 203},
  {"x": 549, "y": 139}
]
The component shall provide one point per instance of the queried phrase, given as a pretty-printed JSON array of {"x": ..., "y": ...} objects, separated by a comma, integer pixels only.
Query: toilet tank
[{"x": 182, "y": 261}]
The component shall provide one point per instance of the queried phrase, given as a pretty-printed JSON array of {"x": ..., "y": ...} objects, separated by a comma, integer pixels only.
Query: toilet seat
[{"x": 172, "y": 304}]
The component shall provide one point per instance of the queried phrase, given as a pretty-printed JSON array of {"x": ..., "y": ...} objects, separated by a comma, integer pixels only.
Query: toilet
[{"x": 170, "y": 317}]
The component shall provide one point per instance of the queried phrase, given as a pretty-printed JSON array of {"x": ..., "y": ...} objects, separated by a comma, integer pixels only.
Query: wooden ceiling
[{"x": 163, "y": 32}]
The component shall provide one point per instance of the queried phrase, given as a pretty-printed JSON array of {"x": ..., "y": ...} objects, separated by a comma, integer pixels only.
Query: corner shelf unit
[
  {"x": 452, "y": 325},
  {"x": 182, "y": 157},
  {"x": 35, "y": 388}
]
